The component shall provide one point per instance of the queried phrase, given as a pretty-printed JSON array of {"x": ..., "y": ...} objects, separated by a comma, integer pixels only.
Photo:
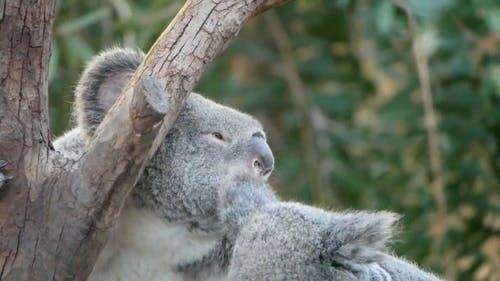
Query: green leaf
[
  {"x": 428, "y": 9},
  {"x": 493, "y": 19},
  {"x": 495, "y": 77},
  {"x": 385, "y": 13},
  {"x": 54, "y": 61},
  {"x": 77, "y": 48},
  {"x": 83, "y": 21}
]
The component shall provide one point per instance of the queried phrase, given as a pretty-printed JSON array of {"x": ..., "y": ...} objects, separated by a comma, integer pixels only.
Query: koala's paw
[{"x": 3, "y": 178}]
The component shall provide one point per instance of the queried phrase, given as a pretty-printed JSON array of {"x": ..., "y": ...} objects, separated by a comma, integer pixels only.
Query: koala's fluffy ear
[
  {"x": 356, "y": 238},
  {"x": 101, "y": 83}
]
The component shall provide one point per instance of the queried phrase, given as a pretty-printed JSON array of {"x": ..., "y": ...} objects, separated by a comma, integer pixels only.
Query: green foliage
[{"x": 364, "y": 108}]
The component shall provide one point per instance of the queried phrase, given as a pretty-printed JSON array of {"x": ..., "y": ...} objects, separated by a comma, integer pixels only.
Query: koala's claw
[{"x": 3, "y": 178}]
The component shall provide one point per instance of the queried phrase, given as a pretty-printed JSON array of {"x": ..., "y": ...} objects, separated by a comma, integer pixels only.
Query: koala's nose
[{"x": 262, "y": 160}]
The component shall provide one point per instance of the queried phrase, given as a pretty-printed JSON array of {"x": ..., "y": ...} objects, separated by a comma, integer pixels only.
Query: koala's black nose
[{"x": 262, "y": 159}]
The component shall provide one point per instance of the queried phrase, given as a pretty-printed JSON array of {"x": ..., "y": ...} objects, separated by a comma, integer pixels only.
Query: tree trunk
[
  {"x": 25, "y": 29},
  {"x": 55, "y": 215}
]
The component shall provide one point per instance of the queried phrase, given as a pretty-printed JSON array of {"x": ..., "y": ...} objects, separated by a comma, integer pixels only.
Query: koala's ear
[
  {"x": 101, "y": 83},
  {"x": 356, "y": 238}
]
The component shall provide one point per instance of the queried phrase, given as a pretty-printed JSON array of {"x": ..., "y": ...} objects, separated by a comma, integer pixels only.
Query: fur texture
[
  {"x": 290, "y": 241},
  {"x": 203, "y": 210}
]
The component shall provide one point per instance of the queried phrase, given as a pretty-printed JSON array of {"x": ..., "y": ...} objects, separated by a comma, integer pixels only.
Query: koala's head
[{"x": 209, "y": 148}]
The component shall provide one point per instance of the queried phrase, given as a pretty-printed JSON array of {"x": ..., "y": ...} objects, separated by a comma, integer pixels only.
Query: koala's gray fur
[
  {"x": 3, "y": 178},
  {"x": 306, "y": 243},
  {"x": 200, "y": 197}
]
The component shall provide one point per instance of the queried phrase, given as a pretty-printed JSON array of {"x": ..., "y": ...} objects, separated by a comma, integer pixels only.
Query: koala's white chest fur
[{"x": 144, "y": 247}]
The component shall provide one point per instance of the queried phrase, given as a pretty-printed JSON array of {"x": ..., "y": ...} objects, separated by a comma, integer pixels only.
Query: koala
[
  {"x": 203, "y": 208},
  {"x": 173, "y": 226}
]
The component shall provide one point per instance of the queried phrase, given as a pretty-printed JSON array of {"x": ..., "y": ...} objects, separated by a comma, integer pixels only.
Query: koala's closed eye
[{"x": 218, "y": 136}]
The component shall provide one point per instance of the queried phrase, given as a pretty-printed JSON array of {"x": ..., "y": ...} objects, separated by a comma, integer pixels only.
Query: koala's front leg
[{"x": 3, "y": 178}]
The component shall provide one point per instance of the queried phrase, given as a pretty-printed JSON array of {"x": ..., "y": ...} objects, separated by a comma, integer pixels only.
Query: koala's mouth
[
  {"x": 262, "y": 170},
  {"x": 249, "y": 170},
  {"x": 266, "y": 174}
]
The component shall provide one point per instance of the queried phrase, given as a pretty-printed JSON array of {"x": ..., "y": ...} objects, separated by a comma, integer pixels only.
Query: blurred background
[{"x": 389, "y": 104}]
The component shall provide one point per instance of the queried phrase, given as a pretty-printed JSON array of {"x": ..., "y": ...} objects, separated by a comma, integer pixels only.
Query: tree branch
[
  {"x": 430, "y": 115},
  {"x": 439, "y": 221},
  {"x": 199, "y": 32},
  {"x": 302, "y": 108}
]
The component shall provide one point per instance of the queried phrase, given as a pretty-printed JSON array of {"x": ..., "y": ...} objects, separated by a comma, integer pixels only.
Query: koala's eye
[{"x": 218, "y": 136}]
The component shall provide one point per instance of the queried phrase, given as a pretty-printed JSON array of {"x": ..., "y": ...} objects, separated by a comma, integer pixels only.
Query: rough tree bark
[{"x": 55, "y": 215}]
